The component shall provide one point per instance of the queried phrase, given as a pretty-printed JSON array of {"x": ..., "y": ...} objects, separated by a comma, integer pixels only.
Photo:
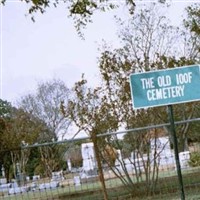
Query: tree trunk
[{"x": 100, "y": 170}]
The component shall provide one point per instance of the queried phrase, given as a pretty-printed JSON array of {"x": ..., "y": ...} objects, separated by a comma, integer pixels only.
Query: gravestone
[
  {"x": 3, "y": 181},
  {"x": 77, "y": 181},
  {"x": 17, "y": 190},
  {"x": 36, "y": 177},
  {"x": 161, "y": 151},
  {"x": 3, "y": 171},
  {"x": 89, "y": 168},
  {"x": 184, "y": 159},
  {"x": 27, "y": 178},
  {"x": 20, "y": 177},
  {"x": 132, "y": 164},
  {"x": 118, "y": 162},
  {"x": 57, "y": 176},
  {"x": 69, "y": 164},
  {"x": 4, "y": 186},
  {"x": 50, "y": 185}
]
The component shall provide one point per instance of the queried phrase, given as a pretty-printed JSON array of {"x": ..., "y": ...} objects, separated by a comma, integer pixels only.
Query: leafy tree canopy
[
  {"x": 193, "y": 20},
  {"x": 5, "y": 108},
  {"x": 80, "y": 10},
  {"x": 149, "y": 43}
]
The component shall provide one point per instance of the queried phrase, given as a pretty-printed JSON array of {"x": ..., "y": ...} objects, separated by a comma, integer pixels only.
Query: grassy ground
[{"x": 167, "y": 188}]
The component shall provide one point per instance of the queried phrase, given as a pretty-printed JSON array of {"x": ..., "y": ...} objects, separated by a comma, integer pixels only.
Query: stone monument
[
  {"x": 161, "y": 151},
  {"x": 89, "y": 168}
]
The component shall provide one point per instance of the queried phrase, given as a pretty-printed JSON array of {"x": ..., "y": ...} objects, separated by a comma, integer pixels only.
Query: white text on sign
[{"x": 165, "y": 90}]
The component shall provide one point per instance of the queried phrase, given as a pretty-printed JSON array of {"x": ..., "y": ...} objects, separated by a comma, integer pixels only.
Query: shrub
[{"x": 195, "y": 159}]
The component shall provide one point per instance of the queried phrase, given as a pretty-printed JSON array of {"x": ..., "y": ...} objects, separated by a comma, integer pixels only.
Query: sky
[{"x": 51, "y": 48}]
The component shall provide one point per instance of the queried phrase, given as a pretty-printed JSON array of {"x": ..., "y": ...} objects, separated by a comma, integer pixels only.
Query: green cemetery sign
[{"x": 165, "y": 87}]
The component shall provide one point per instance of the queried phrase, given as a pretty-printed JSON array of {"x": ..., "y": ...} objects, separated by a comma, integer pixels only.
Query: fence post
[{"x": 100, "y": 170}]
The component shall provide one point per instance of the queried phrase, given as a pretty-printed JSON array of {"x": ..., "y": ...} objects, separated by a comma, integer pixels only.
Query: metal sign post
[{"x": 175, "y": 144}]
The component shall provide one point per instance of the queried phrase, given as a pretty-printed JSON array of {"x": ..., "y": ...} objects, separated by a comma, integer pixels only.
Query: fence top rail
[{"x": 109, "y": 133}]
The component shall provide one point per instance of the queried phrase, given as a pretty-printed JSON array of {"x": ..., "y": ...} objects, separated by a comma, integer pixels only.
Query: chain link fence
[{"x": 139, "y": 165}]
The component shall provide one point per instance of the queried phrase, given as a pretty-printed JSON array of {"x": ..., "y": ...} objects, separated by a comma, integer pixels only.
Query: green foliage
[
  {"x": 39, "y": 170},
  {"x": 80, "y": 10},
  {"x": 193, "y": 20},
  {"x": 5, "y": 108},
  {"x": 33, "y": 162},
  {"x": 17, "y": 128},
  {"x": 89, "y": 109},
  {"x": 192, "y": 24},
  {"x": 140, "y": 53},
  {"x": 22, "y": 127},
  {"x": 194, "y": 159}
]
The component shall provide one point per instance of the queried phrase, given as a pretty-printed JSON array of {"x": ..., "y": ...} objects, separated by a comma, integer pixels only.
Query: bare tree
[{"x": 45, "y": 105}]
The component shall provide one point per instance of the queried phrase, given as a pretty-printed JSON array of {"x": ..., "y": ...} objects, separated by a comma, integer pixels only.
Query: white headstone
[
  {"x": 3, "y": 172},
  {"x": 15, "y": 189},
  {"x": 89, "y": 168},
  {"x": 77, "y": 181},
  {"x": 161, "y": 151},
  {"x": 36, "y": 177},
  {"x": 3, "y": 181},
  {"x": 89, "y": 161},
  {"x": 27, "y": 178},
  {"x": 69, "y": 164},
  {"x": 50, "y": 185},
  {"x": 5, "y": 187},
  {"x": 184, "y": 159},
  {"x": 118, "y": 162},
  {"x": 57, "y": 176}
]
